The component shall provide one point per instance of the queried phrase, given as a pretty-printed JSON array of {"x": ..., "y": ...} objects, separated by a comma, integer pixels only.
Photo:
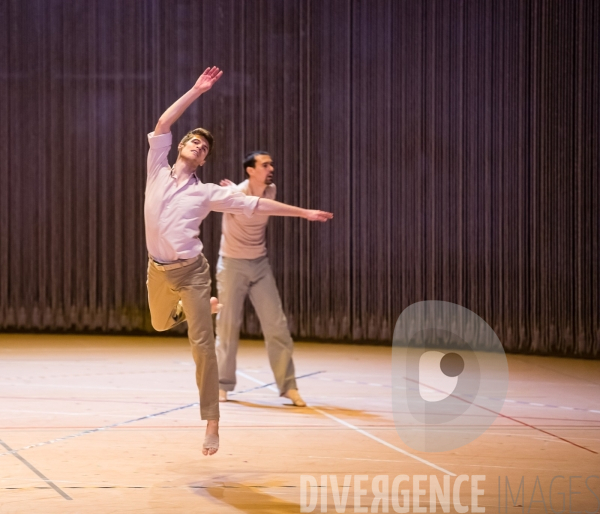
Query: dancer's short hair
[
  {"x": 250, "y": 159},
  {"x": 200, "y": 132}
]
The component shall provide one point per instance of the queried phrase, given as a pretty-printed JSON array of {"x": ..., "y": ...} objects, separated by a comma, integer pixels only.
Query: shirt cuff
[{"x": 161, "y": 140}]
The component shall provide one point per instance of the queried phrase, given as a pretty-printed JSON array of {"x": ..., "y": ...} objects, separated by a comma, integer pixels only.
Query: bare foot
[
  {"x": 294, "y": 395},
  {"x": 211, "y": 438},
  {"x": 215, "y": 306}
]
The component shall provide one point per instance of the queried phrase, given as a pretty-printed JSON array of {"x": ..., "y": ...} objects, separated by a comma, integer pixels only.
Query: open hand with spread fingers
[
  {"x": 208, "y": 79},
  {"x": 226, "y": 183},
  {"x": 312, "y": 215}
]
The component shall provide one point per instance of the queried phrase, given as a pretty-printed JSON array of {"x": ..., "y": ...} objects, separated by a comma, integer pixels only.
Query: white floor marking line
[
  {"x": 272, "y": 388},
  {"x": 385, "y": 443},
  {"x": 360, "y": 431},
  {"x": 36, "y": 471}
]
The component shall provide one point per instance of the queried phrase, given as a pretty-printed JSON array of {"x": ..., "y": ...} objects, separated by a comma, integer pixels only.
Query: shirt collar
[
  {"x": 246, "y": 187},
  {"x": 192, "y": 175}
]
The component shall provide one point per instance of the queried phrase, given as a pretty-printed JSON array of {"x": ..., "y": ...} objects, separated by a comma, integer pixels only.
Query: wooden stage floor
[{"x": 99, "y": 424}]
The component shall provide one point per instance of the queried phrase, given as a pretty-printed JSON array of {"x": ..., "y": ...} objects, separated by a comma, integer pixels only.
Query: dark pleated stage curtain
[{"x": 456, "y": 142}]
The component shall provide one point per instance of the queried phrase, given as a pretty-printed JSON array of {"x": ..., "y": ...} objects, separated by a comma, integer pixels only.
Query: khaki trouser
[
  {"x": 236, "y": 279},
  {"x": 191, "y": 284}
]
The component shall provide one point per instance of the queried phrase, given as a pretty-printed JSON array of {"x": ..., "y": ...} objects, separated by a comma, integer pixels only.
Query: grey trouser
[
  {"x": 191, "y": 284},
  {"x": 237, "y": 278}
]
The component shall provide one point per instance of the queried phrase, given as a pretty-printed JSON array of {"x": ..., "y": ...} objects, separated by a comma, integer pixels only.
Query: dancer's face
[
  {"x": 263, "y": 170},
  {"x": 194, "y": 151}
]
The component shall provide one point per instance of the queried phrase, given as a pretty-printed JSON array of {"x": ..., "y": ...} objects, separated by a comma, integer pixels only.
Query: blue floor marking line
[{"x": 149, "y": 416}]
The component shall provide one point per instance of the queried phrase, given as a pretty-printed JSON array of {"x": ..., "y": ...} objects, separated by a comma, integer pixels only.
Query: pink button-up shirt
[{"x": 173, "y": 214}]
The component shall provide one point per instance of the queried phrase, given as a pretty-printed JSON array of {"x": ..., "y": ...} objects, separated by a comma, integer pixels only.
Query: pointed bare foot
[
  {"x": 211, "y": 438},
  {"x": 294, "y": 395},
  {"x": 215, "y": 306}
]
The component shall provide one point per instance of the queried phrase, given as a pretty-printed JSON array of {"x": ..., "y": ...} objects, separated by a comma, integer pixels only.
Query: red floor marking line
[
  {"x": 538, "y": 429},
  {"x": 507, "y": 417}
]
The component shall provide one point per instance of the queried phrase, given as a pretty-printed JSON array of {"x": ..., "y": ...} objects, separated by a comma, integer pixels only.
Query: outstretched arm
[
  {"x": 273, "y": 208},
  {"x": 172, "y": 114},
  {"x": 225, "y": 199}
]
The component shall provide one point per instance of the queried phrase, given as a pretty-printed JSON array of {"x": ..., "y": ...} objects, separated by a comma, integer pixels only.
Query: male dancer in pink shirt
[{"x": 178, "y": 274}]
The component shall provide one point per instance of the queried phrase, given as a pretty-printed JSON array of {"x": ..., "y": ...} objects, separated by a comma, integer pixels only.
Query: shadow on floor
[
  {"x": 334, "y": 411},
  {"x": 249, "y": 499}
]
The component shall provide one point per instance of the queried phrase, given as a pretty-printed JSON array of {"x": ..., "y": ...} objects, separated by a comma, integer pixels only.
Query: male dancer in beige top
[
  {"x": 178, "y": 274},
  {"x": 243, "y": 270}
]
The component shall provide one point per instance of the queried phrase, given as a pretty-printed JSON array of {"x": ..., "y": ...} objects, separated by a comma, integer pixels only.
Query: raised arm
[
  {"x": 172, "y": 114},
  {"x": 273, "y": 208}
]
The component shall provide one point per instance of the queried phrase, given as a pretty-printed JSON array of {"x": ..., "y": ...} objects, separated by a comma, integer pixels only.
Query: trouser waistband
[{"x": 162, "y": 266}]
